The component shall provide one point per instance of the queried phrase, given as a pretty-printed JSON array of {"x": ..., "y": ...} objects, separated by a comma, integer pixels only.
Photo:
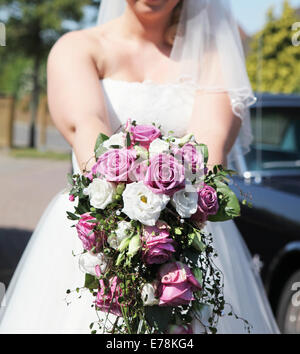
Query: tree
[
  {"x": 32, "y": 28},
  {"x": 274, "y": 63}
]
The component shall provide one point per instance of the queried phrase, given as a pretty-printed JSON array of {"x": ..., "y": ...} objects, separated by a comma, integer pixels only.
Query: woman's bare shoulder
[
  {"x": 81, "y": 45},
  {"x": 78, "y": 42},
  {"x": 89, "y": 40}
]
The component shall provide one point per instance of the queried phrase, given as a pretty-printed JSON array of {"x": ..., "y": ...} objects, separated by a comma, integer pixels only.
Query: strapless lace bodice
[{"x": 168, "y": 105}]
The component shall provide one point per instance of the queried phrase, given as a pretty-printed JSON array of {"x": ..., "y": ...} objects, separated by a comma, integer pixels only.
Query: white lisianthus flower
[
  {"x": 148, "y": 295},
  {"x": 186, "y": 202},
  {"x": 116, "y": 139},
  {"x": 100, "y": 192},
  {"x": 115, "y": 240},
  {"x": 141, "y": 204},
  {"x": 158, "y": 146},
  {"x": 88, "y": 261}
]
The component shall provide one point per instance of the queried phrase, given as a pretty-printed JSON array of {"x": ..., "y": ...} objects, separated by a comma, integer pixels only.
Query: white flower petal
[
  {"x": 116, "y": 139},
  {"x": 100, "y": 192},
  {"x": 158, "y": 146},
  {"x": 88, "y": 262},
  {"x": 141, "y": 204},
  {"x": 185, "y": 202},
  {"x": 148, "y": 295}
]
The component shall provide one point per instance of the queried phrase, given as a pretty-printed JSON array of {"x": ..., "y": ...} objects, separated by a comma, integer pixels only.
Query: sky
[{"x": 251, "y": 14}]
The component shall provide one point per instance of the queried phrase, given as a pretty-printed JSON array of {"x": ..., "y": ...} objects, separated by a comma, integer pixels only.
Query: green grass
[{"x": 36, "y": 154}]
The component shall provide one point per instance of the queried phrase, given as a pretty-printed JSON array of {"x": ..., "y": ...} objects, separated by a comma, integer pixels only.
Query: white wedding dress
[{"x": 35, "y": 300}]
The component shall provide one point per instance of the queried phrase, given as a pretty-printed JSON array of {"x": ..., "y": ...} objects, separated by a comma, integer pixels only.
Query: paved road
[{"x": 27, "y": 186}]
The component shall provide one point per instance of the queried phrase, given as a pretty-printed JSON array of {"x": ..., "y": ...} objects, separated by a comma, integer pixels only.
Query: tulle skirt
[{"x": 36, "y": 300}]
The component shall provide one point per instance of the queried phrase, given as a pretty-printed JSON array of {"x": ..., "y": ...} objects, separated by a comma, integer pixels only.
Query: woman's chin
[
  {"x": 149, "y": 6},
  {"x": 154, "y": 7}
]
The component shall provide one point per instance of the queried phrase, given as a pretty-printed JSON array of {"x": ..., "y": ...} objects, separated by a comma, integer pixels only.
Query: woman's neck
[{"x": 144, "y": 29}]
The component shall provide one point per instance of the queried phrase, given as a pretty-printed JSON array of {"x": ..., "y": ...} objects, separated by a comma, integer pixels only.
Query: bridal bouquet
[{"x": 141, "y": 214}]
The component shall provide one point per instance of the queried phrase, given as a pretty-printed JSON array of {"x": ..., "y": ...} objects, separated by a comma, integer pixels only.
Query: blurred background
[{"x": 34, "y": 158}]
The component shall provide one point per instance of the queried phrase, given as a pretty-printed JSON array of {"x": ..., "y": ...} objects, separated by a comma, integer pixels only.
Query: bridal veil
[{"x": 208, "y": 55}]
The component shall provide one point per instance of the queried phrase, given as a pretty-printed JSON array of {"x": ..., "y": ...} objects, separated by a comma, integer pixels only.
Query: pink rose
[
  {"x": 158, "y": 245},
  {"x": 165, "y": 175},
  {"x": 87, "y": 235},
  {"x": 177, "y": 284},
  {"x": 180, "y": 329},
  {"x": 89, "y": 174},
  {"x": 189, "y": 156},
  {"x": 115, "y": 165},
  {"x": 145, "y": 134},
  {"x": 108, "y": 297},
  {"x": 207, "y": 203},
  {"x": 71, "y": 198}
]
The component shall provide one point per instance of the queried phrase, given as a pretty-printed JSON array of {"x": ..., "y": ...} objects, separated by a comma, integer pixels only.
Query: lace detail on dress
[{"x": 168, "y": 105}]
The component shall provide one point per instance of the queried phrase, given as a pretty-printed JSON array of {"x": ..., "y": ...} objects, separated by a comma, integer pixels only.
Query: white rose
[
  {"x": 116, "y": 139},
  {"x": 141, "y": 204},
  {"x": 100, "y": 192},
  {"x": 115, "y": 240},
  {"x": 186, "y": 202},
  {"x": 148, "y": 295},
  {"x": 88, "y": 261},
  {"x": 158, "y": 146}
]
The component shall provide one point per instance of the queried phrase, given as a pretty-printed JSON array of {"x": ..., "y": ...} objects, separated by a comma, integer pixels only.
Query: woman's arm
[
  {"x": 214, "y": 124},
  {"x": 75, "y": 97}
]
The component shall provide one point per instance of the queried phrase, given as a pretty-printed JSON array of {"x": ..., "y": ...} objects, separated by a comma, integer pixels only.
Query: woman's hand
[{"x": 214, "y": 124}]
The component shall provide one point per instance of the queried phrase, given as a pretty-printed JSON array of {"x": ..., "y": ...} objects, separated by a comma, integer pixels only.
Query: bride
[{"x": 178, "y": 63}]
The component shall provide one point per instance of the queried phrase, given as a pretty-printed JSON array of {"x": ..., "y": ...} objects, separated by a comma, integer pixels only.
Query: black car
[{"x": 269, "y": 176}]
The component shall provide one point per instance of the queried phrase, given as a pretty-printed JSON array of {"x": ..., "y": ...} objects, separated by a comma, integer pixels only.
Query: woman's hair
[{"x": 172, "y": 29}]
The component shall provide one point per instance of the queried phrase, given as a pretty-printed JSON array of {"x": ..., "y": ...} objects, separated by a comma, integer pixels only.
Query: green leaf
[
  {"x": 72, "y": 216},
  {"x": 128, "y": 140},
  {"x": 204, "y": 151},
  {"x": 197, "y": 242},
  {"x": 100, "y": 151},
  {"x": 198, "y": 274},
  {"x": 100, "y": 140},
  {"x": 158, "y": 316},
  {"x": 229, "y": 206},
  {"x": 91, "y": 282}
]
